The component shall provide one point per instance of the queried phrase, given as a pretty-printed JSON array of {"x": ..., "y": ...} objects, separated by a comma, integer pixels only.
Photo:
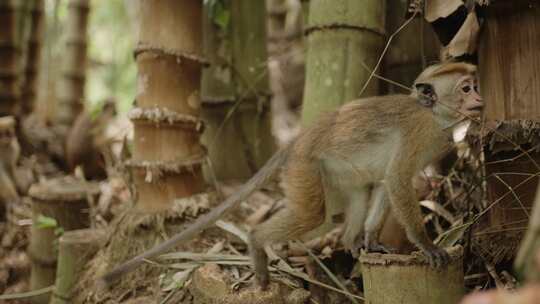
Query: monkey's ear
[{"x": 426, "y": 94}]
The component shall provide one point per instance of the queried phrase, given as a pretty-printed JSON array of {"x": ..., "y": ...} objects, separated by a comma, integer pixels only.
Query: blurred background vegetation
[{"x": 111, "y": 71}]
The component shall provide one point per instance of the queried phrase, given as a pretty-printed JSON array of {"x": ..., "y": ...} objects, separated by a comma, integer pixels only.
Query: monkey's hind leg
[
  {"x": 378, "y": 212},
  {"x": 357, "y": 209},
  {"x": 283, "y": 226}
]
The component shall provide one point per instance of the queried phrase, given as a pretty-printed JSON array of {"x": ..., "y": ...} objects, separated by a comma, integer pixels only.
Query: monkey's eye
[{"x": 466, "y": 89}]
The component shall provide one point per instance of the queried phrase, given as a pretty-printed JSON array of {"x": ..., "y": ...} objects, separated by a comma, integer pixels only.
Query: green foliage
[
  {"x": 218, "y": 12},
  {"x": 46, "y": 222},
  {"x": 112, "y": 71}
]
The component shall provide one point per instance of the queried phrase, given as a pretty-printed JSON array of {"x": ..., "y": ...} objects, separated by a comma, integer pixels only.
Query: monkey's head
[{"x": 451, "y": 90}]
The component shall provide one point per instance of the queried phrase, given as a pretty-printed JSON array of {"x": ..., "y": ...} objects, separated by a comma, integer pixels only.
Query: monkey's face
[
  {"x": 452, "y": 97},
  {"x": 470, "y": 101},
  {"x": 450, "y": 89}
]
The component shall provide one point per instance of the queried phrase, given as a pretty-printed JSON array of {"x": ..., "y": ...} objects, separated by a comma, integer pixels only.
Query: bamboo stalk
[
  {"x": 74, "y": 62},
  {"x": 167, "y": 154},
  {"x": 33, "y": 57},
  {"x": 235, "y": 92},
  {"x": 10, "y": 54},
  {"x": 342, "y": 37}
]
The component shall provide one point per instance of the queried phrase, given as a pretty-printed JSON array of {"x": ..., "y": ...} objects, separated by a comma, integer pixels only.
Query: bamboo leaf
[{"x": 45, "y": 222}]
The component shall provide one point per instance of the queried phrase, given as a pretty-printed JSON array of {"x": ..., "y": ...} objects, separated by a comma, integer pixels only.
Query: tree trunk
[
  {"x": 411, "y": 49},
  {"x": 10, "y": 55},
  {"x": 342, "y": 35},
  {"x": 508, "y": 64},
  {"x": 47, "y": 106},
  {"x": 74, "y": 61},
  {"x": 167, "y": 155},
  {"x": 235, "y": 92},
  {"x": 33, "y": 57}
]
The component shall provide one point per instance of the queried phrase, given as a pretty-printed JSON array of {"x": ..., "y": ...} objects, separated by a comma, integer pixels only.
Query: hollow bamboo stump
[
  {"x": 75, "y": 248},
  {"x": 404, "y": 279},
  {"x": 65, "y": 201}
]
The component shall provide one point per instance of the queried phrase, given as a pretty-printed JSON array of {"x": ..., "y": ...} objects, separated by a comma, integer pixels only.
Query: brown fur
[
  {"x": 348, "y": 155},
  {"x": 82, "y": 143},
  {"x": 355, "y": 127}
]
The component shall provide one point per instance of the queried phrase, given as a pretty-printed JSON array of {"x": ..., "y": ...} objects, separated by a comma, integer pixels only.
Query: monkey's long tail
[{"x": 256, "y": 182}]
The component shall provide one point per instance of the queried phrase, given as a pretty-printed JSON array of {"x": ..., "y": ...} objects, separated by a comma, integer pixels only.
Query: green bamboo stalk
[
  {"x": 71, "y": 90},
  {"x": 343, "y": 36},
  {"x": 235, "y": 91}
]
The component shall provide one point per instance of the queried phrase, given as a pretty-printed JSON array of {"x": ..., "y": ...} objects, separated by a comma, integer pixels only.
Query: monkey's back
[
  {"x": 81, "y": 149},
  {"x": 364, "y": 133}
]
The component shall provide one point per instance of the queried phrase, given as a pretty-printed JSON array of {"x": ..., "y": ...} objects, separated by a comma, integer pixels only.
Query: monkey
[
  {"x": 353, "y": 165},
  {"x": 9, "y": 155},
  {"x": 82, "y": 146}
]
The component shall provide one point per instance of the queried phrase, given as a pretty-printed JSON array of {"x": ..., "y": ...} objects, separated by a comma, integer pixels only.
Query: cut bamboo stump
[
  {"x": 403, "y": 279},
  {"x": 64, "y": 200},
  {"x": 75, "y": 249},
  {"x": 211, "y": 285}
]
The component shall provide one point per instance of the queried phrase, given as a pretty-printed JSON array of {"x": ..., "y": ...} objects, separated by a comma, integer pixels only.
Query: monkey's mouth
[{"x": 475, "y": 111}]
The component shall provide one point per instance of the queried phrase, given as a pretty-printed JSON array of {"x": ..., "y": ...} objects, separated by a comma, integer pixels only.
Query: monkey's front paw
[
  {"x": 371, "y": 244},
  {"x": 438, "y": 257},
  {"x": 378, "y": 247}
]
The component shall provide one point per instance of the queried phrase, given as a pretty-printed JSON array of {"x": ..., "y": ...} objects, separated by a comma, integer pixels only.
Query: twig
[
  {"x": 329, "y": 273},
  {"x": 232, "y": 228},
  {"x": 513, "y": 193},
  {"x": 384, "y": 52},
  {"x": 493, "y": 273},
  {"x": 306, "y": 278},
  {"x": 28, "y": 294}
]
